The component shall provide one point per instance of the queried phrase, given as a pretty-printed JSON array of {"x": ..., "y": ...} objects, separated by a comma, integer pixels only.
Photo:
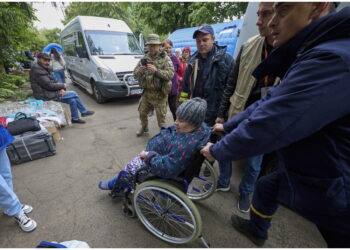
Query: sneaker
[
  {"x": 103, "y": 185},
  {"x": 27, "y": 224},
  {"x": 219, "y": 187},
  {"x": 88, "y": 113},
  {"x": 223, "y": 188},
  {"x": 243, "y": 226},
  {"x": 141, "y": 131},
  {"x": 80, "y": 121},
  {"x": 244, "y": 202},
  {"x": 27, "y": 209}
]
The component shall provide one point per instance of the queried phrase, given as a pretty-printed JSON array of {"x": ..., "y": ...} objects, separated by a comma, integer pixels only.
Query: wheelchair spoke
[{"x": 168, "y": 215}]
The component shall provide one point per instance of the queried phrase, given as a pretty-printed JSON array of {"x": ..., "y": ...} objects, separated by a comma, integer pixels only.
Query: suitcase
[{"x": 30, "y": 146}]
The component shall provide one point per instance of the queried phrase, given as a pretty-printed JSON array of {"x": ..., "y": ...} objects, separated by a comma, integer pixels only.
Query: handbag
[{"x": 22, "y": 123}]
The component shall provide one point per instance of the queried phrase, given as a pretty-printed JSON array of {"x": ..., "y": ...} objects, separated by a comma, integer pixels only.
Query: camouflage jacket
[{"x": 156, "y": 85}]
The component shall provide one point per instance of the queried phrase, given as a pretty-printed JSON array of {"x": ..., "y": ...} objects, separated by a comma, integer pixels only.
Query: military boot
[{"x": 141, "y": 131}]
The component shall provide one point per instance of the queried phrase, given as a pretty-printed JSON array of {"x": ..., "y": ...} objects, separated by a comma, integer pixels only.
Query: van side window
[
  {"x": 68, "y": 44},
  {"x": 81, "y": 46}
]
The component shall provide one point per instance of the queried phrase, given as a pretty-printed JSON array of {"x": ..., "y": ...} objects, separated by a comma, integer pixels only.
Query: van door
[{"x": 82, "y": 62}]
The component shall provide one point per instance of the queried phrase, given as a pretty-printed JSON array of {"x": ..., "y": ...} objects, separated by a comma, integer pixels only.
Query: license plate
[{"x": 135, "y": 91}]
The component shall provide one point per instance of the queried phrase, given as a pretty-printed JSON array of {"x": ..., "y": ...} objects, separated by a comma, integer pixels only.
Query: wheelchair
[{"x": 165, "y": 206}]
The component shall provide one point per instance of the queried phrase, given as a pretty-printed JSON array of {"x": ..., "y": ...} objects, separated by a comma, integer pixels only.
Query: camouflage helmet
[{"x": 153, "y": 39}]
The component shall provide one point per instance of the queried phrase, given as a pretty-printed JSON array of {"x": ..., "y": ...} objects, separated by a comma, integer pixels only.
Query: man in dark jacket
[
  {"x": 306, "y": 119},
  {"x": 206, "y": 76},
  {"x": 46, "y": 88}
]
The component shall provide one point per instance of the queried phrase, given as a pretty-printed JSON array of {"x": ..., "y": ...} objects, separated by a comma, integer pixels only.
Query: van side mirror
[{"x": 82, "y": 53}]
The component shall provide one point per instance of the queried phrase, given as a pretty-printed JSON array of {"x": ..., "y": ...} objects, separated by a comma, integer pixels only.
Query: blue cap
[{"x": 204, "y": 28}]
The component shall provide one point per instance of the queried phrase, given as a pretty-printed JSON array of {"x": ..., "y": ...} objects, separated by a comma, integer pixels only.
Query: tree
[
  {"x": 16, "y": 20},
  {"x": 165, "y": 17},
  {"x": 51, "y": 35},
  {"x": 101, "y": 9}
]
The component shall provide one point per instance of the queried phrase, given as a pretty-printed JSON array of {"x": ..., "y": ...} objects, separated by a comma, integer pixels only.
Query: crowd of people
[{"x": 286, "y": 92}]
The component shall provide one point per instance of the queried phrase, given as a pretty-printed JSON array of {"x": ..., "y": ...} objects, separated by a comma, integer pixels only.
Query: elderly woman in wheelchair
[{"x": 160, "y": 182}]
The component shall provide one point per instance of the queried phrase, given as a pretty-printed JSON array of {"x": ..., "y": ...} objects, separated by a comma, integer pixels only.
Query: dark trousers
[
  {"x": 172, "y": 105},
  {"x": 265, "y": 203}
]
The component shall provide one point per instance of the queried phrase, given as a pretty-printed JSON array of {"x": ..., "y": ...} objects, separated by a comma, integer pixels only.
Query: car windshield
[{"x": 112, "y": 43}]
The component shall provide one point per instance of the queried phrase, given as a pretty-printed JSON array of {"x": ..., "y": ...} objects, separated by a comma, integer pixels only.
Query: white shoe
[
  {"x": 27, "y": 209},
  {"x": 27, "y": 224}
]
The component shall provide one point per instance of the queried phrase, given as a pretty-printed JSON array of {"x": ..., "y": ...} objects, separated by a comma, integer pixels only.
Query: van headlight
[{"x": 106, "y": 74}]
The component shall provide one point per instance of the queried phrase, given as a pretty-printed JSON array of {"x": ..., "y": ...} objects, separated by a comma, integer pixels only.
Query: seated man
[
  {"x": 46, "y": 88},
  {"x": 168, "y": 153}
]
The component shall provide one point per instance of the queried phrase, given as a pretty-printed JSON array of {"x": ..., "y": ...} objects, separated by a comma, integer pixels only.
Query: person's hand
[
  {"x": 143, "y": 154},
  {"x": 62, "y": 92},
  {"x": 143, "y": 69},
  {"x": 218, "y": 129},
  {"x": 219, "y": 120},
  {"x": 151, "y": 67},
  {"x": 205, "y": 151}
]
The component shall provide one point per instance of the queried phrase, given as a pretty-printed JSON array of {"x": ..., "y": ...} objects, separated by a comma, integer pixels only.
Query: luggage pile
[{"x": 35, "y": 135}]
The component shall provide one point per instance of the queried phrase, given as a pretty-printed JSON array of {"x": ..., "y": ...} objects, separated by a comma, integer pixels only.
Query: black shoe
[
  {"x": 80, "y": 121},
  {"x": 243, "y": 226},
  {"x": 87, "y": 113}
]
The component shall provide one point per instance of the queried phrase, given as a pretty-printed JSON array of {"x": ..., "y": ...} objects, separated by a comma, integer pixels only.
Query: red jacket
[{"x": 181, "y": 73}]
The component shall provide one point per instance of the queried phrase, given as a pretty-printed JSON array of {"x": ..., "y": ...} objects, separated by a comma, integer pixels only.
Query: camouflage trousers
[{"x": 148, "y": 104}]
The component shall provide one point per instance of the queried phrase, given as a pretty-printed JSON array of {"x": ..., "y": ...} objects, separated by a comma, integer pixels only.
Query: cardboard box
[{"x": 51, "y": 128}]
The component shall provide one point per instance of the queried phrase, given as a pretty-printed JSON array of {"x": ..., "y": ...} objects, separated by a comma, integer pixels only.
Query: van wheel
[
  {"x": 72, "y": 78},
  {"x": 97, "y": 93}
]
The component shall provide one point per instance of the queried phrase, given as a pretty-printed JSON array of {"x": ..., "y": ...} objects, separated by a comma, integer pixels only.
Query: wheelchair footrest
[{"x": 128, "y": 208}]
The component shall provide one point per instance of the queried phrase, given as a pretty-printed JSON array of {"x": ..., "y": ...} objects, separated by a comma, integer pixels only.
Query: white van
[{"x": 101, "y": 54}]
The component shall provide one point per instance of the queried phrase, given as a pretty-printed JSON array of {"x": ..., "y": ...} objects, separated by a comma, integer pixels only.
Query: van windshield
[{"x": 112, "y": 43}]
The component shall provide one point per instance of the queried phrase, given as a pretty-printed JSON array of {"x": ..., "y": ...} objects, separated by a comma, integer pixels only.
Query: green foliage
[
  {"x": 165, "y": 17},
  {"x": 14, "y": 87},
  {"x": 159, "y": 17},
  {"x": 51, "y": 35},
  {"x": 102, "y": 9},
  {"x": 16, "y": 20},
  {"x": 17, "y": 80},
  {"x": 6, "y": 92}
]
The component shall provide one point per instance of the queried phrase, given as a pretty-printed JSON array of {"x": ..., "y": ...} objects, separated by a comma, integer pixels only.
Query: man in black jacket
[
  {"x": 46, "y": 88},
  {"x": 205, "y": 77}
]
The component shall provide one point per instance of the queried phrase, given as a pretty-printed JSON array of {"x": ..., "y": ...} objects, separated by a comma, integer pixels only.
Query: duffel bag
[{"x": 22, "y": 123}]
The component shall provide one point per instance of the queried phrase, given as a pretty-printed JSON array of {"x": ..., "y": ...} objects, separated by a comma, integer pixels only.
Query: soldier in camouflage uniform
[{"x": 155, "y": 79}]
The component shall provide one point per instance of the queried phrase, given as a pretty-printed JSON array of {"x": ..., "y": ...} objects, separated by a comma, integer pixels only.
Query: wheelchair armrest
[{"x": 144, "y": 174}]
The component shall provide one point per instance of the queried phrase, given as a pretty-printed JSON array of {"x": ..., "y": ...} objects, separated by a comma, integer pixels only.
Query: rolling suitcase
[{"x": 31, "y": 146}]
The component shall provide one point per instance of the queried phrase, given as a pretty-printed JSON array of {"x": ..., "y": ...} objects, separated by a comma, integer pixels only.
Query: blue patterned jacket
[{"x": 170, "y": 152}]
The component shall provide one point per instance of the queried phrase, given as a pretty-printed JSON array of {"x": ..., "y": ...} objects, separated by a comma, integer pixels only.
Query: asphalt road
[{"x": 69, "y": 206}]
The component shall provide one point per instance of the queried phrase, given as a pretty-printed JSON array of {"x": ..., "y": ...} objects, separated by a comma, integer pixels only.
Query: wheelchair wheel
[
  {"x": 167, "y": 212},
  {"x": 203, "y": 185}
]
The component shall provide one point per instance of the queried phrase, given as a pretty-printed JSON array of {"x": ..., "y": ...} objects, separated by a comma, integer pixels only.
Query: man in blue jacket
[{"x": 306, "y": 119}]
